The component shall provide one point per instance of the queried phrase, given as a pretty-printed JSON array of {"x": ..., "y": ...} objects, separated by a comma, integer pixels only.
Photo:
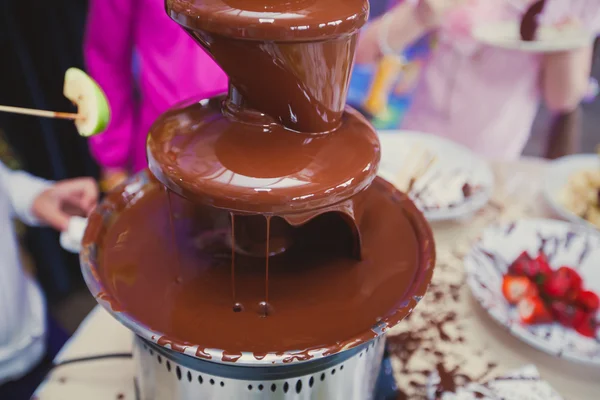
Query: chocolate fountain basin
[
  {"x": 182, "y": 367},
  {"x": 133, "y": 295}
]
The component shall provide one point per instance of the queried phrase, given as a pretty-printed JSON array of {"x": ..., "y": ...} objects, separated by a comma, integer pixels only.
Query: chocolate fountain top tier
[
  {"x": 277, "y": 20},
  {"x": 289, "y": 60}
]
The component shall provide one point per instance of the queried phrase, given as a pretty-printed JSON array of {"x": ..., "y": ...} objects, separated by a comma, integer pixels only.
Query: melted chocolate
[
  {"x": 204, "y": 156},
  {"x": 278, "y": 20},
  {"x": 529, "y": 23},
  {"x": 322, "y": 298},
  {"x": 276, "y": 189},
  {"x": 282, "y": 141}
]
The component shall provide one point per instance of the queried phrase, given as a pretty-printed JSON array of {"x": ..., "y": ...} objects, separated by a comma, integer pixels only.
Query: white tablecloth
[{"x": 486, "y": 343}]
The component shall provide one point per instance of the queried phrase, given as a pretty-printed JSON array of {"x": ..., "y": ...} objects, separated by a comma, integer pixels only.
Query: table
[{"x": 447, "y": 331}]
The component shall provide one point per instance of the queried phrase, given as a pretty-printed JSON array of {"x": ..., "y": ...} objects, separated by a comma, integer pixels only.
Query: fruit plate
[
  {"x": 438, "y": 193},
  {"x": 556, "y": 179},
  {"x": 564, "y": 244},
  {"x": 506, "y": 35}
]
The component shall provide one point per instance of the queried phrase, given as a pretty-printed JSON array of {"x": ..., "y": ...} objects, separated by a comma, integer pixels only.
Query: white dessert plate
[
  {"x": 506, "y": 35},
  {"x": 439, "y": 192},
  {"x": 522, "y": 384},
  {"x": 556, "y": 179},
  {"x": 564, "y": 244}
]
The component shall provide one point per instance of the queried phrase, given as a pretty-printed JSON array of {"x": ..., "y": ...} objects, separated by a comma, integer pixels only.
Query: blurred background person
[
  {"x": 383, "y": 90},
  {"x": 482, "y": 97},
  {"x": 29, "y": 339},
  {"x": 170, "y": 67},
  {"x": 32, "y": 75}
]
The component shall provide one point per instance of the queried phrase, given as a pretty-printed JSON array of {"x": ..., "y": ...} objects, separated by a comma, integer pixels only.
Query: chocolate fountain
[{"x": 260, "y": 256}]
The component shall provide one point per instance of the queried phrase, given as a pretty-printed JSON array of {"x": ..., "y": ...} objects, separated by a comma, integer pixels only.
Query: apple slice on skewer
[{"x": 92, "y": 105}]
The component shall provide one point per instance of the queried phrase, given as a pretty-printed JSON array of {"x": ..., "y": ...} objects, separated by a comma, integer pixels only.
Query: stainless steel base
[{"x": 166, "y": 375}]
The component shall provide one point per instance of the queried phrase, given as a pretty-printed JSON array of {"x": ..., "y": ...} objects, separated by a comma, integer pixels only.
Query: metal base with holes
[{"x": 166, "y": 375}]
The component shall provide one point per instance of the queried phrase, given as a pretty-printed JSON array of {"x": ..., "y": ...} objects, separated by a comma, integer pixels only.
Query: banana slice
[{"x": 90, "y": 100}]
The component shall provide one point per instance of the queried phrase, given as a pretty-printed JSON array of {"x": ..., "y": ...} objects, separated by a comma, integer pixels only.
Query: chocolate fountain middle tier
[{"x": 254, "y": 165}]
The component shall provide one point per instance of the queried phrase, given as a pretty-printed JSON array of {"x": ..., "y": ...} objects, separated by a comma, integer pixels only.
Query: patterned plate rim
[{"x": 528, "y": 337}]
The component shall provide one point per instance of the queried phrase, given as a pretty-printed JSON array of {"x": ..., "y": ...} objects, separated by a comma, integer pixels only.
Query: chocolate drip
[
  {"x": 237, "y": 307},
  {"x": 265, "y": 308},
  {"x": 173, "y": 233}
]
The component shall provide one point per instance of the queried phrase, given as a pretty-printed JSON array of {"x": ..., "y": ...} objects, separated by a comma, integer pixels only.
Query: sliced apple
[{"x": 91, "y": 102}]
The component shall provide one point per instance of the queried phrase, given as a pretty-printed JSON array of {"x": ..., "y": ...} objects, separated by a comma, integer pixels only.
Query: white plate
[
  {"x": 451, "y": 158},
  {"x": 567, "y": 244},
  {"x": 557, "y": 177},
  {"x": 507, "y": 35}
]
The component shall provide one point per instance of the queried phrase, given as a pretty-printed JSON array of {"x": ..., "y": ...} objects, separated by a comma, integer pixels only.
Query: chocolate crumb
[{"x": 467, "y": 190}]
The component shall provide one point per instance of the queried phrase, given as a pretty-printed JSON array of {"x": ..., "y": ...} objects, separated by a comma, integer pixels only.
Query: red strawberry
[
  {"x": 519, "y": 266},
  {"x": 587, "y": 300},
  {"x": 587, "y": 325},
  {"x": 566, "y": 314},
  {"x": 514, "y": 288},
  {"x": 574, "y": 278},
  {"x": 564, "y": 281},
  {"x": 532, "y": 310},
  {"x": 539, "y": 269}
]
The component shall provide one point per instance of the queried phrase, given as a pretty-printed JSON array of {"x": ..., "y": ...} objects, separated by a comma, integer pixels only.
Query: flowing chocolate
[
  {"x": 529, "y": 23},
  {"x": 211, "y": 159},
  {"x": 285, "y": 239},
  {"x": 321, "y": 298},
  {"x": 281, "y": 142}
]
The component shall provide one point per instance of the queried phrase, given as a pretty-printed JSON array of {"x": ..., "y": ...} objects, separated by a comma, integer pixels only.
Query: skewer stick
[{"x": 40, "y": 113}]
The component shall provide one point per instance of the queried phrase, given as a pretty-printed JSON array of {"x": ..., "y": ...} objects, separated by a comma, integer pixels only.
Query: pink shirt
[
  {"x": 483, "y": 97},
  {"x": 173, "y": 68}
]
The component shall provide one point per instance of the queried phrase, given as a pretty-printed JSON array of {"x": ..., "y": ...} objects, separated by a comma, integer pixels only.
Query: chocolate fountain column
[{"x": 282, "y": 130}]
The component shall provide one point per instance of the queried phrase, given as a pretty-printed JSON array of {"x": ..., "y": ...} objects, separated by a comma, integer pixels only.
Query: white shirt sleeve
[{"x": 22, "y": 189}]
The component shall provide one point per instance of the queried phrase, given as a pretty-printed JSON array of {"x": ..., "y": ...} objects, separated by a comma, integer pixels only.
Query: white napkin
[
  {"x": 70, "y": 239},
  {"x": 523, "y": 384}
]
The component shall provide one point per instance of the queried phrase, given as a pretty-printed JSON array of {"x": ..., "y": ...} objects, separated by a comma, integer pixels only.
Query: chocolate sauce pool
[{"x": 320, "y": 297}]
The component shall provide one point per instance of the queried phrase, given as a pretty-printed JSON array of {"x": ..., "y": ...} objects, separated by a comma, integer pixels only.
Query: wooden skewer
[{"x": 40, "y": 113}]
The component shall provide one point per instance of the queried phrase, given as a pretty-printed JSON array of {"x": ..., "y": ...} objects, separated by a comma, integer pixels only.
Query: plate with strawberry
[{"x": 541, "y": 280}]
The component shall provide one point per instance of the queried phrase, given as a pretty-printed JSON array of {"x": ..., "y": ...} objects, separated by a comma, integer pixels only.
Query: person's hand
[
  {"x": 65, "y": 199},
  {"x": 113, "y": 177}
]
